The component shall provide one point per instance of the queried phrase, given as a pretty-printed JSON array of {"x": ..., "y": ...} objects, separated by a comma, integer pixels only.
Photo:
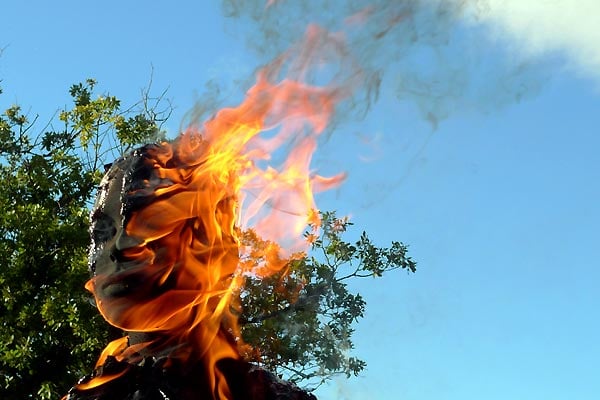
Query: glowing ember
[{"x": 166, "y": 226}]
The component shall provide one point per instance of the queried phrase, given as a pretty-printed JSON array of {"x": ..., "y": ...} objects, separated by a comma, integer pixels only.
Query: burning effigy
[
  {"x": 165, "y": 230},
  {"x": 164, "y": 270}
]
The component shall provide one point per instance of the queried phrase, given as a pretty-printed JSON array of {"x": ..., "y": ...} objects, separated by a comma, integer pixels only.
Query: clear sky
[{"x": 481, "y": 153}]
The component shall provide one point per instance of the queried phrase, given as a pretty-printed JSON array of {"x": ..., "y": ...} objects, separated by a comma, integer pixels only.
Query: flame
[
  {"x": 215, "y": 181},
  {"x": 114, "y": 347},
  {"x": 99, "y": 381}
]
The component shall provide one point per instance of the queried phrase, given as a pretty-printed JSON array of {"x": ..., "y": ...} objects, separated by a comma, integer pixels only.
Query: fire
[
  {"x": 114, "y": 347},
  {"x": 182, "y": 235},
  {"x": 99, "y": 381}
]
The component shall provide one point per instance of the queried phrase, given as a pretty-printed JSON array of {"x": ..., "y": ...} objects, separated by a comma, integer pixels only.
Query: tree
[
  {"x": 300, "y": 321},
  {"x": 50, "y": 333}
]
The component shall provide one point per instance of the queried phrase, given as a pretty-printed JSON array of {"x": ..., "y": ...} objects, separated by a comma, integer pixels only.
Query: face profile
[
  {"x": 108, "y": 237},
  {"x": 163, "y": 249},
  {"x": 118, "y": 260}
]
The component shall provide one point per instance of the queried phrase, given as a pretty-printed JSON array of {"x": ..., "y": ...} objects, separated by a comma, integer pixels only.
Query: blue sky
[{"x": 498, "y": 199}]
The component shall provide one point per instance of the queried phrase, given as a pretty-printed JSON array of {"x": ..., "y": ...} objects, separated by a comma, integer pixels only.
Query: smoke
[{"x": 421, "y": 50}]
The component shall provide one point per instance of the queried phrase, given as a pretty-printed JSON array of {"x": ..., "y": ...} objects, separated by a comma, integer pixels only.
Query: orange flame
[
  {"x": 214, "y": 181},
  {"x": 114, "y": 347},
  {"x": 99, "y": 381}
]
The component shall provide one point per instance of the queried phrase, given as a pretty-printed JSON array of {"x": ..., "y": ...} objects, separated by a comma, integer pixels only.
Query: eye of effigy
[{"x": 103, "y": 228}]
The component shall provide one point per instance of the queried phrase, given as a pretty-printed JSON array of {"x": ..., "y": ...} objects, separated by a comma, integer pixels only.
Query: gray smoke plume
[{"x": 420, "y": 48}]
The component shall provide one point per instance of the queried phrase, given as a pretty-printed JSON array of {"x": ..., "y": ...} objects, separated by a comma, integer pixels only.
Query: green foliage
[
  {"x": 50, "y": 334},
  {"x": 301, "y": 320},
  {"x": 299, "y": 323}
]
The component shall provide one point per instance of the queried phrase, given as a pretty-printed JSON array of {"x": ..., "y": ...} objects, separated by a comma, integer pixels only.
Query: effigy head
[
  {"x": 162, "y": 240},
  {"x": 108, "y": 219}
]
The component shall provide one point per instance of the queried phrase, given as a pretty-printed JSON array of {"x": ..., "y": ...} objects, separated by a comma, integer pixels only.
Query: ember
[{"x": 165, "y": 251}]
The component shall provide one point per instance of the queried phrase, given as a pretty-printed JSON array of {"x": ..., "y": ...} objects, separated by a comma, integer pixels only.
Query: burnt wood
[{"x": 150, "y": 379}]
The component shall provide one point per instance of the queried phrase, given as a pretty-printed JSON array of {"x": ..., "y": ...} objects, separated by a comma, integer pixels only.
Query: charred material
[{"x": 158, "y": 379}]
